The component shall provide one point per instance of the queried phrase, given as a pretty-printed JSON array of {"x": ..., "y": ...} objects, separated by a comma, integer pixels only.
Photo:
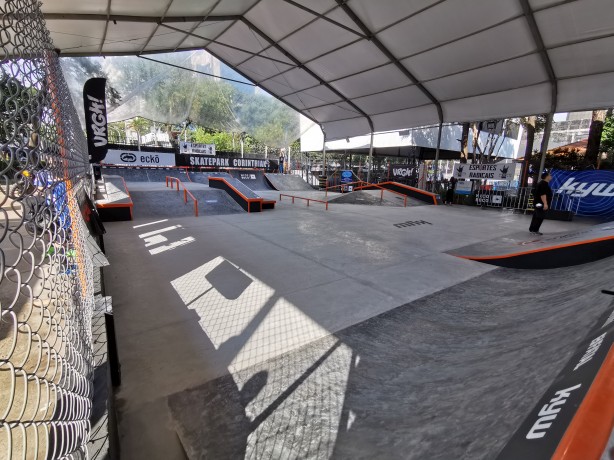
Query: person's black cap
[{"x": 545, "y": 174}]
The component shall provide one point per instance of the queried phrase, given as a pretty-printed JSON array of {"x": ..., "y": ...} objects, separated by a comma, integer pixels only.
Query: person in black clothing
[{"x": 542, "y": 199}]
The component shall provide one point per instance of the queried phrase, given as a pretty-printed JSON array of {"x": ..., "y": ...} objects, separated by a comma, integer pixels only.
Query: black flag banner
[{"x": 96, "y": 118}]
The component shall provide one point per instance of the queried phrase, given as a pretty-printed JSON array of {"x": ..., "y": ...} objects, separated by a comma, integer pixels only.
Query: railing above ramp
[{"x": 172, "y": 180}]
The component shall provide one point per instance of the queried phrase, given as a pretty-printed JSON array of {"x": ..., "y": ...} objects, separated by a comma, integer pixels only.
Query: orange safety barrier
[
  {"x": 301, "y": 198},
  {"x": 186, "y": 192}
]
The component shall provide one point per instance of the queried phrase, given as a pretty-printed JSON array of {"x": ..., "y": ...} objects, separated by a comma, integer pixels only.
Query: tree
[
  {"x": 607, "y": 141},
  {"x": 464, "y": 142},
  {"x": 140, "y": 126},
  {"x": 594, "y": 138}
]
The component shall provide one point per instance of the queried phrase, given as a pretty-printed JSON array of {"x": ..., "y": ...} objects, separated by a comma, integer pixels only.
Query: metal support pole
[
  {"x": 324, "y": 152},
  {"x": 545, "y": 141},
  {"x": 436, "y": 168},
  {"x": 370, "y": 158}
]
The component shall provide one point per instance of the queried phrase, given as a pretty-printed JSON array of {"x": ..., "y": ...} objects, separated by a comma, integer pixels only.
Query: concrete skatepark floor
[{"x": 305, "y": 333}]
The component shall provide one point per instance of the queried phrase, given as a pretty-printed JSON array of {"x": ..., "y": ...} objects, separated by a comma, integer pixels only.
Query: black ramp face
[
  {"x": 523, "y": 250},
  {"x": 252, "y": 178},
  {"x": 287, "y": 182},
  {"x": 246, "y": 198}
]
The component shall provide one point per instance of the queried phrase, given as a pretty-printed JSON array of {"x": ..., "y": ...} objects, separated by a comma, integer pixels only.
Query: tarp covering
[{"x": 357, "y": 66}]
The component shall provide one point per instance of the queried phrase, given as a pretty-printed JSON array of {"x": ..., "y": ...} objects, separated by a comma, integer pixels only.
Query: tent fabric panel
[
  {"x": 524, "y": 71},
  {"x": 580, "y": 20},
  {"x": 444, "y": 23},
  {"x": 402, "y": 98},
  {"x": 586, "y": 93},
  {"x": 372, "y": 81},
  {"x": 190, "y": 7},
  {"x": 349, "y": 60},
  {"x": 319, "y": 6},
  {"x": 137, "y": 7},
  {"x": 316, "y": 39},
  {"x": 346, "y": 128},
  {"x": 263, "y": 68},
  {"x": 242, "y": 37},
  {"x": 278, "y": 18},
  {"x": 539, "y": 4},
  {"x": 83, "y": 35},
  {"x": 513, "y": 103},
  {"x": 231, "y": 56},
  {"x": 80, "y": 7},
  {"x": 474, "y": 51},
  {"x": 594, "y": 57},
  {"x": 377, "y": 15},
  {"x": 293, "y": 80},
  {"x": 235, "y": 7},
  {"x": 333, "y": 112},
  {"x": 320, "y": 95},
  {"x": 418, "y": 116},
  {"x": 210, "y": 30}
]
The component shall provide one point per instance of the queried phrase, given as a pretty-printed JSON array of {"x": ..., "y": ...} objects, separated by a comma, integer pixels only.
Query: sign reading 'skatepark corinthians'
[{"x": 496, "y": 171}]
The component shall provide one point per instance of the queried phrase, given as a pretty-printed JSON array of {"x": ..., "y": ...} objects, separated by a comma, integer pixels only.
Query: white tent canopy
[{"x": 361, "y": 66}]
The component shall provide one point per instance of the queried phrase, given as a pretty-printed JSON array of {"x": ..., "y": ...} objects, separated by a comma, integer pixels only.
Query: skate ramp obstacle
[
  {"x": 287, "y": 182},
  {"x": 524, "y": 251},
  {"x": 203, "y": 177},
  {"x": 169, "y": 203},
  {"x": 413, "y": 192},
  {"x": 145, "y": 174},
  {"x": 249, "y": 200},
  {"x": 115, "y": 203},
  {"x": 252, "y": 178}
]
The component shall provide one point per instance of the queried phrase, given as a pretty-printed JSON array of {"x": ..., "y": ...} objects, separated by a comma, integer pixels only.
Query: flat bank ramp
[
  {"x": 523, "y": 250},
  {"x": 169, "y": 203},
  {"x": 145, "y": 174},
  {"x": 287, "y": 182},
  {"x": 451, "y": 375},
  {"x": 374, "y": 198}
]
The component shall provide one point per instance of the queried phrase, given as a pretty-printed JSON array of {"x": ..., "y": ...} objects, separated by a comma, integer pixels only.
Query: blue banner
[{"x": 593, "y": 189}]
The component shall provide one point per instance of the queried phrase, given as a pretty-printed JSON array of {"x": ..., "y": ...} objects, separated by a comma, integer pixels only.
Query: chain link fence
[{"x": 46, "y": 285}]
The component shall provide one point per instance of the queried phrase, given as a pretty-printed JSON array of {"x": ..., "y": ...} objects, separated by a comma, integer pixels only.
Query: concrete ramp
[
  {"x": 252, "y": 178},
  {"x": 523, "y": 250},
  {"x": 169, "y": 203},
  {"x": 203, "y": 177},
  {"x": 287, "y": 182},
  {"x": 145, "y": 174}
]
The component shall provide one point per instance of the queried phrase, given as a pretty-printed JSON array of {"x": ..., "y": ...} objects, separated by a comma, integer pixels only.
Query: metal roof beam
[
  {"x": 541, "y": 48},
  {"x": 325, "y": 18},
  {"x": 390, "y": 56},
  {"x": 129, "y": 18},
  {"x": 298, "y": 63}
]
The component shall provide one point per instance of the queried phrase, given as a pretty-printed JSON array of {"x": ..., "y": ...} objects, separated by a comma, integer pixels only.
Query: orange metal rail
[
  {"x": 383, "y": 189},
  {"x": 305, "y": 199},
  {"x": 186, "y": 192}
]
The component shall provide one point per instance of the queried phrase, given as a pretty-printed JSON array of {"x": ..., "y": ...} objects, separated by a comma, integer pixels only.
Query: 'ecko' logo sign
[
  {"x": 128, "y": 157},
  {"x": 96, "y": 111}
]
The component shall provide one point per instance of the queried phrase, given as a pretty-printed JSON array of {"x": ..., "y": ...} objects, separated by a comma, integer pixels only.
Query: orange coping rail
[
  {"x": 248, "y": 200},
  {"x": 588, "y": 433},
  {"x": 186, "y": 192},
  {"x": 301, "y": 198},
  {"x": 383, "y": 189},
  {"x": 414, "y": 189}
]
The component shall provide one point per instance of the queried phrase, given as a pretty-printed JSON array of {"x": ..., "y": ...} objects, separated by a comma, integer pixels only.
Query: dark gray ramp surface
[
  {"x": 203, "y": 177},
  {"x": 373, "y": 197},
  {"x": 252, "y": 178},
  {"x": 451, "y": 375},
  {"x": 169, "y": 203},
  {"x": 287, "y": 182},
  {"x": 145, "y": 175}
]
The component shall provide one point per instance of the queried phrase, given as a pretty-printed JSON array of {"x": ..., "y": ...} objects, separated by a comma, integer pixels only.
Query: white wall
[{"x": 312, "y": 137}]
